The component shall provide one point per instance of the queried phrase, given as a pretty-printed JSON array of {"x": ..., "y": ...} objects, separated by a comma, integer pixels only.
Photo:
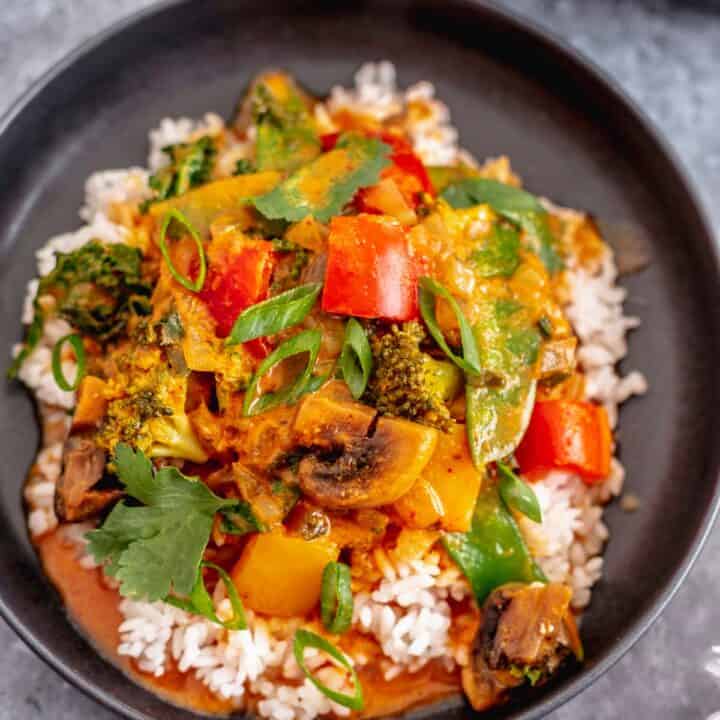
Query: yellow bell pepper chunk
[{"x": 280, "y": 574}]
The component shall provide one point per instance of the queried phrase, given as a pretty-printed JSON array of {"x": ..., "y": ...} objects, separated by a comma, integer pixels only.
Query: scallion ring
[
  {"x": 199, "y": 601},
  {"x": 336, "y": 600},
  {"x": 308, "y": 342},
  {"x": 470, "y": 359},
  {"x": 306, "y": 639},
  {"x": 192, "y": 285},
  {"x": 75, "y": 341}
]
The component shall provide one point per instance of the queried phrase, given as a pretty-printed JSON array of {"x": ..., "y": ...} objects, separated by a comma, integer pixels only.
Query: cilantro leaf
[
  {"x": 517, "y": 206},
  {"x": 323, "y": 187},
  {"x": 155, "y": 549}
]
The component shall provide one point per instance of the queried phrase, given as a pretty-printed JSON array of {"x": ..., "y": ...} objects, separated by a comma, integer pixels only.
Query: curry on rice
[{"x": 328, "y": 410}]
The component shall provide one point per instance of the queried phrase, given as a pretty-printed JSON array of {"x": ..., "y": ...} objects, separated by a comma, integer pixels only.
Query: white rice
[{"x": 407, "y": 612}]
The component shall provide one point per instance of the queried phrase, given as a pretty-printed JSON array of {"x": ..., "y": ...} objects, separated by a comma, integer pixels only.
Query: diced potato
[
  {"x": 278, "y": 574},
  {"x": 454, "y": 478},
  {"x": 91, "y": 403}
]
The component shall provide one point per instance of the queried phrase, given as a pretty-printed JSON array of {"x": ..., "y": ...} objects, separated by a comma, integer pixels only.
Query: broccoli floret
[
  {"x": 190, "y": 165},
  {"x": 147, "y": 408},
  {"x": 407, "y": 381}
]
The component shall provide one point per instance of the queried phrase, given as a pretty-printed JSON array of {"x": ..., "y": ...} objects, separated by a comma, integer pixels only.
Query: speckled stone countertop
[{"x": 667, "y": 57}]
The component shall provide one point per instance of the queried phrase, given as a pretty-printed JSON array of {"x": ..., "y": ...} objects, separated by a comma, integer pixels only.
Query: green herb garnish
[
  {"x": 192, "y": 285},
  {"x": 336, "y": 600},
  {"x": 306, "y": 639},
  {"x": 75, "y": 341},
  {"x": 240, "y": 519},
  {"x": 199, "y": 601},
  {"x": 274, "y": 314},
  {"x": 355, "y": 358},
  {"x": 323, "y": 187},
  {"x": 517, "y": 206},
  {"x": 155, "y": 549},
  {"x": 498, "y": 253},
  {"x": 308, "y": 342},
  {"x": 470, "y": 359}
]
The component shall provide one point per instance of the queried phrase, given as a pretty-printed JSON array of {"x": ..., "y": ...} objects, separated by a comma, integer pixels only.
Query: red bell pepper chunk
[
  {"x": 567, "y": 435},
  {"x": 407, "y": 161},
  {"x": 236, "y": 281},
  {"x": 370, "y": 272}
]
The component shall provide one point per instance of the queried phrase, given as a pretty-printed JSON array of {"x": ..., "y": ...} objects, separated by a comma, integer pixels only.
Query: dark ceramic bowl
[{"x": 571, "y": 135}]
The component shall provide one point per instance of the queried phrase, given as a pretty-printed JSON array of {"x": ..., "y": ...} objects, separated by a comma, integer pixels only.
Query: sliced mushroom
[
  {"x": 526, "y": 631},
  {"x": 76, "y": 494},
  {"x": 353, "y": 459}
]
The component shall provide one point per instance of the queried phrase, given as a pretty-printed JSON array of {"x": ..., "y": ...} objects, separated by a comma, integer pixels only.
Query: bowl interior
[{"x": 510, "y": 92}]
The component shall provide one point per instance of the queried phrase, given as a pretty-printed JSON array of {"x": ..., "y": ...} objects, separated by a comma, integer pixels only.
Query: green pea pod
[{"x": 493, "y": 552}]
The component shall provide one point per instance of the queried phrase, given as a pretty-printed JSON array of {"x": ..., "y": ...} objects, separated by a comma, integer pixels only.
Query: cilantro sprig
[
  {"x": 155, "y": 550},
  {"x": 324, "y": 186}
]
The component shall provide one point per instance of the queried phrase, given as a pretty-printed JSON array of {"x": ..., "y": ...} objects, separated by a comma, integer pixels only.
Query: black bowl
[{"x": 512, "y": 89}]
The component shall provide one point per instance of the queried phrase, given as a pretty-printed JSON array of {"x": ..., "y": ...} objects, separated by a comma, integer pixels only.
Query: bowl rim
[{"x": 589, "y": 69}]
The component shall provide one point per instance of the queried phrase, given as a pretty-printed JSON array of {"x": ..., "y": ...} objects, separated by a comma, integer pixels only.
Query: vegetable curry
[{"x": 333, "y": 359}]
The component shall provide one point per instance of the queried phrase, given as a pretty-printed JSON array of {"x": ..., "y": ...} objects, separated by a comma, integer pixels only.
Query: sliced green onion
[
  {"x": 274, "y": 314},
  {"x": 240, "y": 520},
  {"x": 470, "y": 360},
  {"x": 307, "y": 341},
  {"x": 356, "y": 358},
  {"x": 517, "y": 494},
  {"x": 199, "y": 601},
  {"x": 306, "y": 639},
  {"x": 77, "y": 345},
  {"x": 178, "y": 217},
  {"x": 336, "y": 600}
]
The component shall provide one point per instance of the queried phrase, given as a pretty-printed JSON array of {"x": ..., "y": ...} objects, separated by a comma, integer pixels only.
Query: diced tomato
[
  {"x": 407, "y": 161},
  {"x": 567, "y": 435},
  {"x": 236, "y": 281},
  {"x": 370, "y": 272}
]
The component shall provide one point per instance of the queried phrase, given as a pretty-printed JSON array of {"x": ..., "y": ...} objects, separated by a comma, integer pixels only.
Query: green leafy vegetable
[
  {"x": 517, "y": 494},
  {"x": 175, "y": 216},
  {"x": 240, "y": 519},
  {"x": 96, "y": 288},
  {"x": 470, "y": 359},
  {"x": 545, "y": 326},
  {"x": 155, "y": 549},
  {"x": 336, "y": 600},
  {"x": 275, "y": 314},
  {"x": 286, "y": 135},
  {"x": 516, "y": 205},
  {"x": 323, "y": 187},
  {"x": 356, "y": 358},
  {"x": 498, "y": 253},
  {"x": 306, "y": 639},
  {"x": 493, "y": 552},
  {"x": 190, "y": 165},
  {"x": 76, "y": 343},
  {"x": 199, "y": 601},
  {"x": 308, "y": 342}
]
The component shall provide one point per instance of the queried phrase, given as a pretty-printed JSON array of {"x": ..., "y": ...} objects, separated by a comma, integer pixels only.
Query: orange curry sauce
[{"x": 93, "y": 607}]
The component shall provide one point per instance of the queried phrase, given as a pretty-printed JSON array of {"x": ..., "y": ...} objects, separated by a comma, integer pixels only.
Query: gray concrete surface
[{"x": 667, "y": 56}]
